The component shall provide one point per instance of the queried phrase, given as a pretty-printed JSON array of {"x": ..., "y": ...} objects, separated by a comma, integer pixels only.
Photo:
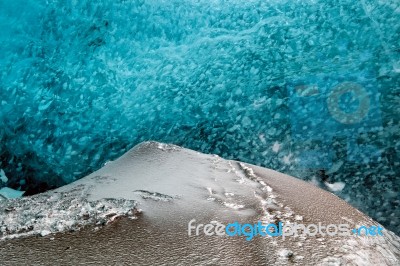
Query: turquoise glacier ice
[{"x": 310, "y": 88}]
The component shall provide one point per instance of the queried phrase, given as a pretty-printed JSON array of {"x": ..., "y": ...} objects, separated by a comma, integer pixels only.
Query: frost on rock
[
  {"x": 81, "y": 82},
  {"x": 50, "y": 212}
]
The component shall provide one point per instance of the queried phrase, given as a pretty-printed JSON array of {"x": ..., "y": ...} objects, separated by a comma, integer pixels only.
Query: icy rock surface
[
  {"x": 81, "y": 82},
  {"x": 53, "y": 212},
  {"x": 172, "y": 186}
]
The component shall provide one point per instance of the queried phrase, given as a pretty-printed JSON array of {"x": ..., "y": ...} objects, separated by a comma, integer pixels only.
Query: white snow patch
[
  {"x": 335, "y": 187},
  {"x": 234, "y": 206},
  {"x": 45, "y": 233},
  {"x": 298, "y": 218},
  {"x": 285, "y": 253}
]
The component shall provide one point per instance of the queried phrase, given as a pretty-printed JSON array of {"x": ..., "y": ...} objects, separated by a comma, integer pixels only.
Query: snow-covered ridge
[{"x": 170, "y": 185}]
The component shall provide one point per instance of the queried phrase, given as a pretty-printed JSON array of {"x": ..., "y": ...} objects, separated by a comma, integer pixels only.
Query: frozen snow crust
[{"x": 81, "y": 82}]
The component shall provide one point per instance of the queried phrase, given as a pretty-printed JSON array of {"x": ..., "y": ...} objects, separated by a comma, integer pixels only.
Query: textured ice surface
[
  {"x": 172, "y": 186},
  {"x": 83, "y": 81},
  {"x": 53, "y": 212}
]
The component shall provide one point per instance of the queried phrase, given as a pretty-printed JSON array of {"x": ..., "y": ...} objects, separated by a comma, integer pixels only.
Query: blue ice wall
[{"x": 310, "y": 88}]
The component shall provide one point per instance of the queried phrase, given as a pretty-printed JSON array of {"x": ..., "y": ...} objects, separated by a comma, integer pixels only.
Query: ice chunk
[
  {"x": 3, "y": 176},
  {"x": 10, "y": 193},
  {"x": 336, "y": 187}
]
